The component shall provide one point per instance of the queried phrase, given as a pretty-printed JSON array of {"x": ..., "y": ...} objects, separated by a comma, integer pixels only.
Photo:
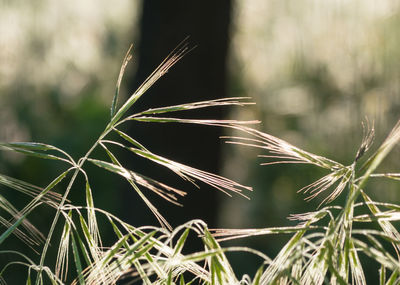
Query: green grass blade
[
  {"x": 162, "y": 69},
  {"x": 201, "y": 255},
  {"x": 197, "y": 105},
  {"x": 135, "y": 263},
  {"x": 37, "y": 150},
  {"x": 61, "y": 268},
  {"x": 93, "y": 247},
  {"x": 228, "y": 234},
  {"x": 114, "y": 250},
  {"x": 12, "y": 228},
  {"x": 219, "y": 263},
  {"x": 35, "y": 236},
  {"x": 169, "y": 279},
  {"x": 77, "y": 260},
  {"x": 28, "y": 279},
  {"x": 190, "y": 174},
  {"x": 89, "y": 238},
  {"x": 83, "y": 249},
  {"x": 356, "y": 266},
  {"x": 130, "y": 177},
  {"x": 386, "y": 226},
  {"x": 110, "y": 167},
  {"x": 129, "y": 139},
  {"x": 279, "y": 263},
  {"x": 92, "y": 221},
  {"x": 31, "y": 190},
  {"x": 316, "y": 270},
  {"x": 257, "y": 277},
  {"x": 181, "y": 242},
  {"x": 375, "y": 160},
  {"x": 378, "y": 253},
  {"x": 112, "y": 265},
  {"x": 161, "y": 189},
  {"x": 393, "y": 279},
  {"x": 125, "y": 62},
  {"x": 382, "y": 275},
  {"x": 220, "y": 123},
  {"x": 338, "y": 278}
]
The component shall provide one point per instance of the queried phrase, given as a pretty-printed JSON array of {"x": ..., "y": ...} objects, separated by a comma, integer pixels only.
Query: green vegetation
[{"x": 327, "y": 246}]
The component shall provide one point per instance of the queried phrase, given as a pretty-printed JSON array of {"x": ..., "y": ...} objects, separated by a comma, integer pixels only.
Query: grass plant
[{"x": 325, "y": 248}]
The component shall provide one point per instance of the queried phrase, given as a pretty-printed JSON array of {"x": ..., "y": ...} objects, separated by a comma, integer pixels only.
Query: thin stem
[
  {"x": 64, "y": 198},
  {"x": 349, "y": 206},
  {"x": 345, "y": 214},
  {"x": 53, "y": 225}
]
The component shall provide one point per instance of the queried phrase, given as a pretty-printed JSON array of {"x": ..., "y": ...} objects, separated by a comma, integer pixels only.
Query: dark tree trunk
[{"x": 201, "y": 75}]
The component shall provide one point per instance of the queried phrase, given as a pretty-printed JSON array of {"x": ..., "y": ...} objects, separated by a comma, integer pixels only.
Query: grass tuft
[{"x": 327, "y": 246}]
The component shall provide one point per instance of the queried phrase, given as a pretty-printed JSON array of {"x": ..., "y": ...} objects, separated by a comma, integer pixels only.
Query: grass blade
[
  {"x": 62, "y": 255},
  {"x": 189, "y": 173},
  {"x": 375, "y": 160},
  {"x": 197, "y": 105},
  {"x": 35, "y": 236},
  {"x": 37, "y": 150},
  {"x": 129, "y": 139},
  {"x": 12, "y": 228},
  {"x": 218, "y": 123},
  {"x": 125, "y": 173},
  {"x": 181, "y": 50},
  {"x": 356, "y": 266},
  {"x": 181, "y": 242},
  {"x": 161, "y": 189},
  {"x": 125, "y": 62},
  {"x": 49, "y": 197},
  {"x": 77, "y": 260},
  {"x": 386, "y": 226},
  {"x": 393, "y": 279},
  {"x": 281, "y": 148}
]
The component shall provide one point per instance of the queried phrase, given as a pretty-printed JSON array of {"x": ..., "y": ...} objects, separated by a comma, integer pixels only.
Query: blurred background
[{"x": 316, "y": 69}]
